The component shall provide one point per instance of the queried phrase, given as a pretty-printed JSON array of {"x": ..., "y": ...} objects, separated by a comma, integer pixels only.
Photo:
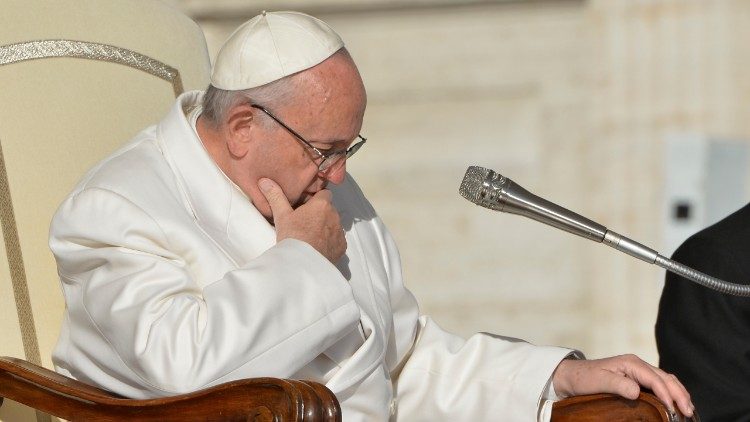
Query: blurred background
[{"x": 633, "y": 113}]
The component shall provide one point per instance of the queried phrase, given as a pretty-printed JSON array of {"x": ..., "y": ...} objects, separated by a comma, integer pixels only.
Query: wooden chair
[{"x": 78, "y": 78}]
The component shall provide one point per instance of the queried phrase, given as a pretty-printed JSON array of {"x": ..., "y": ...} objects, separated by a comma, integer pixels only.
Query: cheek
[
  {"x": 306, "y": 180},
  {"x": 289, "y": 166},
  {"x": 295, "y": 181}
]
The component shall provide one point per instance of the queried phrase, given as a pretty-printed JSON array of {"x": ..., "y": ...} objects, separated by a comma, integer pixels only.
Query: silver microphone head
[
  {"x": 480, "y": 186},
  {"x": 489, "y": 189}
]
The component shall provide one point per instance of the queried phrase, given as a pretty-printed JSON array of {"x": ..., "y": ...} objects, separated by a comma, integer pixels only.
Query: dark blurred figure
[{"x": 703, "y": 336}]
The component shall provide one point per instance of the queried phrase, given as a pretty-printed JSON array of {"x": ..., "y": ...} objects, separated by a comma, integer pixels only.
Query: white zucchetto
[{"x": 271, "y": 46}]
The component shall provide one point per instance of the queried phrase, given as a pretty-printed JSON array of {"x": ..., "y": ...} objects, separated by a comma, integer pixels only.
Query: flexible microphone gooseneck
[{"x": 488, "y": 189}]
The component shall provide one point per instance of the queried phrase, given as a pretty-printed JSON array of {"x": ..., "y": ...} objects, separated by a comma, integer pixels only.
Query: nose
[{"x": 336, "y": 173}]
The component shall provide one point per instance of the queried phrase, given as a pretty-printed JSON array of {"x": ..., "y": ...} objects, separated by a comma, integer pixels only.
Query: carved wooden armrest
[
  {"x": 257, "y": 399},
  {"x": 613, "y": 408}
]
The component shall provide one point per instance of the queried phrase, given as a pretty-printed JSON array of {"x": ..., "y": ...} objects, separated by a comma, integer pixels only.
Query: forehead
[{"x": 330, "y": 101}]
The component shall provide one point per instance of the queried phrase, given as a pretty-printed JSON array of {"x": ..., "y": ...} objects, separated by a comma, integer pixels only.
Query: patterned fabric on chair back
[{"x": 77, "y": 79}]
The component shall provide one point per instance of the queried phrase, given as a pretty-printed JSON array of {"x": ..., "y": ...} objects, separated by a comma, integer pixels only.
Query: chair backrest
[{"x": 77, "y": 79}]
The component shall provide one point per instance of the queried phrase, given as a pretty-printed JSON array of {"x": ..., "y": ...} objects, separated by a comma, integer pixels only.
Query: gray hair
[{"x": 217, "y": 102}]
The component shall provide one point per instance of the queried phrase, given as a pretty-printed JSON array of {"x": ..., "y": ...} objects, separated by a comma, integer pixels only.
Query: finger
[
  {"x": 275, "y": 196},
  {"x": 678, "y": 392},
  {"x": 647, "y": 376},
  {"x": 623, "y": 386},
  {"x": 660, "y": 389},
  {"x": 324, "y": 194}
]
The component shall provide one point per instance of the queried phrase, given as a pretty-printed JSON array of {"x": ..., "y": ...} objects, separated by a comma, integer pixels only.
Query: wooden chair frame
[{"x": 257, "y": 399}]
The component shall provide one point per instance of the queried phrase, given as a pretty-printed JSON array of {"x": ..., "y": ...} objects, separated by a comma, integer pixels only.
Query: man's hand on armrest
[{"x": 621, "y": 375}]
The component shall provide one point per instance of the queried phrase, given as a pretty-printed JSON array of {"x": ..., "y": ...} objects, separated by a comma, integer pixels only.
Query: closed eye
[{"x": 330, "y": 148}]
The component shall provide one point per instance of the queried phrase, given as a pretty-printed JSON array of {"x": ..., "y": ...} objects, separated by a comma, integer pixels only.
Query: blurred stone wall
[{"x": 571, "y": 99}]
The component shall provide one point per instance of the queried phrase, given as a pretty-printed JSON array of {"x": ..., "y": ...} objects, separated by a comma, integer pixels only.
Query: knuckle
[{"x": 631, "y": 358}]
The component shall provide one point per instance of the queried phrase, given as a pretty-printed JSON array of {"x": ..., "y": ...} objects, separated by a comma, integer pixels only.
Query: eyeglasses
[{"x": 328, "y": 160}]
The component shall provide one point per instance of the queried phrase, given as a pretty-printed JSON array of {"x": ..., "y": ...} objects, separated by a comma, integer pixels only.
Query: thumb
[{"x": 275, "y": 196}]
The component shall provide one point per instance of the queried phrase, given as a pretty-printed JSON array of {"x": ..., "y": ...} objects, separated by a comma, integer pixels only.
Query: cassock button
[{"x": 392, "y": 407}]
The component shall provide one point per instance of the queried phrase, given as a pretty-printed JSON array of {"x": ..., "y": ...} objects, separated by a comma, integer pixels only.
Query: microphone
[{"x": 489, "y": 189}]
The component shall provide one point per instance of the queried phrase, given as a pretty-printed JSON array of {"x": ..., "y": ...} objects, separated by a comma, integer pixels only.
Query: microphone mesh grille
[{"x": 471, "y": 186}]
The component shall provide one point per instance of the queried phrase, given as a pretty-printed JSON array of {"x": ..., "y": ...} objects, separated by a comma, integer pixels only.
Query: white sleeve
[
  {"x": 440, "y": 376},
  {"x": 123, "y": 279},
  {"x": 484, "y": 378}
]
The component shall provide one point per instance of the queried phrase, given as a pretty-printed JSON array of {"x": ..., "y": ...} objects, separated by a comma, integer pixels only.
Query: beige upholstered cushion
[{"x": 58, "y": 116}]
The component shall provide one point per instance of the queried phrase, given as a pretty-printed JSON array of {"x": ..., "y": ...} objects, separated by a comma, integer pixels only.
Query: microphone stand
[{"x": 489, "y": 189}]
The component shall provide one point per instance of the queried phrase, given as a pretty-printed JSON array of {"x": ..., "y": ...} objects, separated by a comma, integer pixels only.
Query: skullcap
[{"x": 271, "y": 46}]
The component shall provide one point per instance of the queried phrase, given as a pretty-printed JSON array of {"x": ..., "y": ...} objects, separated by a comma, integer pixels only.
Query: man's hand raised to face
[{"x": 315, "y": 222}]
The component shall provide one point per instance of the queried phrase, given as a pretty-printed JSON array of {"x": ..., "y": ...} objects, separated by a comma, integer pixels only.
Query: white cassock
[{"x": 174, "y": 282}]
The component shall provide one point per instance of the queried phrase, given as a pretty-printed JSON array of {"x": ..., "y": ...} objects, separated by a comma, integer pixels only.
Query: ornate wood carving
[{"x": 258, "y": 399}]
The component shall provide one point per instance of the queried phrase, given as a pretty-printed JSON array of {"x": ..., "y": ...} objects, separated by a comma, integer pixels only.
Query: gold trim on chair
[
  {"x": 18, "y": 275},
  {"x": 32, "y": 50},
  {"x": 17, "y": 272}
]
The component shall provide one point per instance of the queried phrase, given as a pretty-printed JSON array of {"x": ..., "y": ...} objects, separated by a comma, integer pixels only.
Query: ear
[{"x": 240, "y": 122}]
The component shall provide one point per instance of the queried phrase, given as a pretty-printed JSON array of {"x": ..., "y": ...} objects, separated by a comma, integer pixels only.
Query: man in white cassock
[{"x": 228, "y": 242}]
